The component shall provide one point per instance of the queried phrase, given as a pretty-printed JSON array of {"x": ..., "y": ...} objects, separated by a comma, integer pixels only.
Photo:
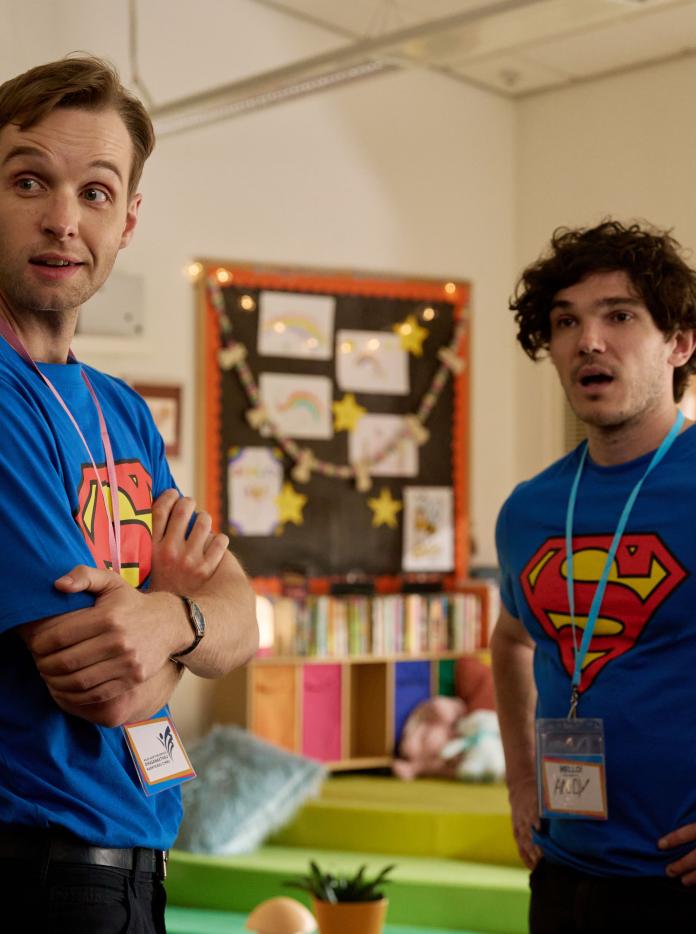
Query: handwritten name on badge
[{"x": 574, "y": 788}]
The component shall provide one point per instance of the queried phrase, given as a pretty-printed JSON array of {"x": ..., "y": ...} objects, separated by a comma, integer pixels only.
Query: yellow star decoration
[
  {"x": 347, "y": 413},
  {"x": 411, "y": 335},
  {"x": 290, "y": 504},
  {"x": 384, "y": 508}
]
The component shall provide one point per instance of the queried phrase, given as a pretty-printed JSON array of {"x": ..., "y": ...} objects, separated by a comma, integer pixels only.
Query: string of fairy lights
[{"x": 232, "y": 355}]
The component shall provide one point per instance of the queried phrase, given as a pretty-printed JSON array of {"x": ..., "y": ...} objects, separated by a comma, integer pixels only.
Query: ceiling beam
[{"x": 349, "y": 63}]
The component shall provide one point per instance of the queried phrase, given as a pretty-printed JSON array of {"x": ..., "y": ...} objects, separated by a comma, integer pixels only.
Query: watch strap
[{"x": 197, "y": 621}]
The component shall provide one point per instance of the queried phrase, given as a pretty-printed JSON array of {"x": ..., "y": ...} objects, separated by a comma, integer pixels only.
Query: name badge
[
  {"x": 158, "y": 753},
  {"x": 571, "y": 775}
]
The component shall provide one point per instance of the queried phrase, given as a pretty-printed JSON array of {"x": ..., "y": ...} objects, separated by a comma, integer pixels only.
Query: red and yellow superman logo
[
  {"x": 643, "y": 575},
  {"x": 135, "y": 507}
]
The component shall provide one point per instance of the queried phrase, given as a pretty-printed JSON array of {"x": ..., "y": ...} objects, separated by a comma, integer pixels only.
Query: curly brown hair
[
  {"x": 651, "y": 258},
  {"x": 82, "y": 81}
]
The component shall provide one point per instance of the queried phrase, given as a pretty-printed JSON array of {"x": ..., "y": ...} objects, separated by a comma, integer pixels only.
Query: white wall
[
  {"x": 407, "y": 173},
  {"x": 623, "y": 146},
  {"x": 384, "y": 176}
]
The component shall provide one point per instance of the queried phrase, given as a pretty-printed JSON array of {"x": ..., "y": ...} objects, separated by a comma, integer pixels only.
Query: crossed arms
[{"x": 111, "y": 663}]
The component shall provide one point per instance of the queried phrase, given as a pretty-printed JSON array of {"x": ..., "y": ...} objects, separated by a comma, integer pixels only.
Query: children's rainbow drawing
[
  {"x": 295, "y": 324},
  {"x": 300, "y": 327},
  {"x": 298, "y": 404},
  {"x": 372, "y": 361},
  {"x": 301, "y": 399}
]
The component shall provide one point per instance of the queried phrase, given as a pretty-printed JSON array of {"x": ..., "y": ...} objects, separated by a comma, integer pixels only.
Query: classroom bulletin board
[{"x": 346, "y": 395}]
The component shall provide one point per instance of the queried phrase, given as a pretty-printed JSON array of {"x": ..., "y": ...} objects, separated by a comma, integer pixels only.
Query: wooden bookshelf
[
  {"x": 345, "y": 711},
  {"x": 271, "y": 698}
]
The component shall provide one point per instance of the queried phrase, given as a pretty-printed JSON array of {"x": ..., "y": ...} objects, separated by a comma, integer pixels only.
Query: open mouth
[
  {"x": 53, "y": 263},
  {"x": 597, "y": 379}
]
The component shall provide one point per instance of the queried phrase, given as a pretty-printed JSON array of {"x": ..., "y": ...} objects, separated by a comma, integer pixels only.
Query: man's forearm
[
  {"x": 516, "y": 703},
  {"x": 231, "y": 632}
]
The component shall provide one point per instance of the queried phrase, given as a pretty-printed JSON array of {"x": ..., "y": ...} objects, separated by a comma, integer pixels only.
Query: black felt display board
[{"x": 337, "y": 536}]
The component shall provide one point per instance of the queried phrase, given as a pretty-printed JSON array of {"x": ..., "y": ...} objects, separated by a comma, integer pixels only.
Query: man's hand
[
  {"x": 138, "y": 704},
  {"x": 93, "y": 655},
  {"x": 525, "y": 817},
  {"x": 686, "y": 866},
  {"x": 182, "y": 565}
]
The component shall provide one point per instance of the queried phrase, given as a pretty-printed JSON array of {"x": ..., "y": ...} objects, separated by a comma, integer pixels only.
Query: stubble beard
[
  {"x": 630, "y": 413},
  {"x": 47, "y": 305}
]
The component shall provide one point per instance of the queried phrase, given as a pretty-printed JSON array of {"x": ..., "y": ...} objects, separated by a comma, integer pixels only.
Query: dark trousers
[
  {"x": 568, "y": 902},
  {"x": 66, "y": 898}
]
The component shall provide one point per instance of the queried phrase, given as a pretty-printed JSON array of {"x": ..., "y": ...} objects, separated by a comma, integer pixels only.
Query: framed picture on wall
[{"x": 165, "y": 404}]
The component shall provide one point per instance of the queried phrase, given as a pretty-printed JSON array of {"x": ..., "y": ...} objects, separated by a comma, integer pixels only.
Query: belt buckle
[{"x": 161, "y": 857}]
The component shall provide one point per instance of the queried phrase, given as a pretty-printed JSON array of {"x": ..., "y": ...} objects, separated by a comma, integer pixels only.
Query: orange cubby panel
[{"x": 273, "y": 701}]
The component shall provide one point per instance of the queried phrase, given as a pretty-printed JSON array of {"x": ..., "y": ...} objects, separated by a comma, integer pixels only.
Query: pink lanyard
[{"x": 114, "y": 524}]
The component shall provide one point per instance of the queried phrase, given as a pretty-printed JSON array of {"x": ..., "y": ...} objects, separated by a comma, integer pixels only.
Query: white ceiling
[
  {"x": 198, "y": 63},
  {"x": 525, "y": 48}
]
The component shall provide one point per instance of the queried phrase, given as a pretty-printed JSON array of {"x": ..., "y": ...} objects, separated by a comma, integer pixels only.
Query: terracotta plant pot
[{"x": 350, "y": 917}]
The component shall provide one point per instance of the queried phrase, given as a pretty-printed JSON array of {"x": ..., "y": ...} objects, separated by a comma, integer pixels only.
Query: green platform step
[
  {"x": 435, "y": 893},
  {"x": 197, "y": 921},
  {"x": 427, "y": 817}
]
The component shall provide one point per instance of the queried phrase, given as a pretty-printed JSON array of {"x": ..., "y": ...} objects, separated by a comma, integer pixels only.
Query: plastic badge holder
[{"x": 570, "y": 768}]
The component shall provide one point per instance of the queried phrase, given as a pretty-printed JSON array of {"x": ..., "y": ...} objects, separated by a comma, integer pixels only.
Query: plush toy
[
  {"x": 477, "y": 753},
  {"x": 455, "y": 737}
]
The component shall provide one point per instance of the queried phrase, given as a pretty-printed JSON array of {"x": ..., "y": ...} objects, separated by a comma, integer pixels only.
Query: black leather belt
[{"x": 49, "y": 848}]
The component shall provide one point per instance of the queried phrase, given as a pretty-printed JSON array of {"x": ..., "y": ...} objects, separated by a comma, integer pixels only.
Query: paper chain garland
[{"x": 233, "y": 355}]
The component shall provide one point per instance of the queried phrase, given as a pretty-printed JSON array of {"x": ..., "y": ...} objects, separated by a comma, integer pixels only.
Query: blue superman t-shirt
[
  {"x": 57, "y": 770},
  {"x": 639, "y": 671}
]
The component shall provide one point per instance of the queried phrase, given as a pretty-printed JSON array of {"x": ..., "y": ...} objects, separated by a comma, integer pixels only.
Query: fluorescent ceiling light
[{"x": 202, "y": 113}]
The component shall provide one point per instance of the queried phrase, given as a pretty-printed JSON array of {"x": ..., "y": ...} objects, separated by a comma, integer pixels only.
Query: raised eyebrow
[
  {"x": 17, "y": 151},
  {"x": 34, "y": 152},
  {"x": 109, "y": 166}
]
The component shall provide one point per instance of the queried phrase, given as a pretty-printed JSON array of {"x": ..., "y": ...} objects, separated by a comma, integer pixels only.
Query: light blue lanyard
[{"x": 581, "y": 653}]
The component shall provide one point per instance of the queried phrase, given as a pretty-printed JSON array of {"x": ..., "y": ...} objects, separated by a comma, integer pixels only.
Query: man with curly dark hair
[{"x": 595, "y": 648}]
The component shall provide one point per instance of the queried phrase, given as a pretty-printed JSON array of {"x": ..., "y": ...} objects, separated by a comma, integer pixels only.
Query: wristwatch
[{"x": 197, "y": 620}]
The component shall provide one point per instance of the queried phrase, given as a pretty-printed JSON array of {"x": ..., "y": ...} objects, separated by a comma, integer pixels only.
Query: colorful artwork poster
[
  {"x": 254, "y": 479},
  {"x": 292, "y": 324},
  {"x": 372, "y": 435},
  {"x": 298, "y": 405},
  {"x": 428, "y": 528},
  {"x": 371, "y": 361}
]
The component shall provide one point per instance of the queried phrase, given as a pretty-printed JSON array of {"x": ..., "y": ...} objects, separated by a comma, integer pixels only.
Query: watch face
[{"x": 197, "y": 617}]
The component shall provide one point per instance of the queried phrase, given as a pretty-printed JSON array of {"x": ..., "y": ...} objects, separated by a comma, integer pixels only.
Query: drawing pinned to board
[
  {"x": 371, "y": 361},
  {"x": 292, "y": 324},
  {"x": 298, "y": 405},
  {"x": 428, "y": 529},
  {"x": 254, "y": 480},
  {"x": 371, "y": 440}
]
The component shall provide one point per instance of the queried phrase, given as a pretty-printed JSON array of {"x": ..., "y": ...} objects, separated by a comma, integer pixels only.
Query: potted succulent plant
[{"x": 346, "y": 904}]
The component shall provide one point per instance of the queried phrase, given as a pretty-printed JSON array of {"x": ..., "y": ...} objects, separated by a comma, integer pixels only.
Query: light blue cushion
[{"x": 245, "y": 789}]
